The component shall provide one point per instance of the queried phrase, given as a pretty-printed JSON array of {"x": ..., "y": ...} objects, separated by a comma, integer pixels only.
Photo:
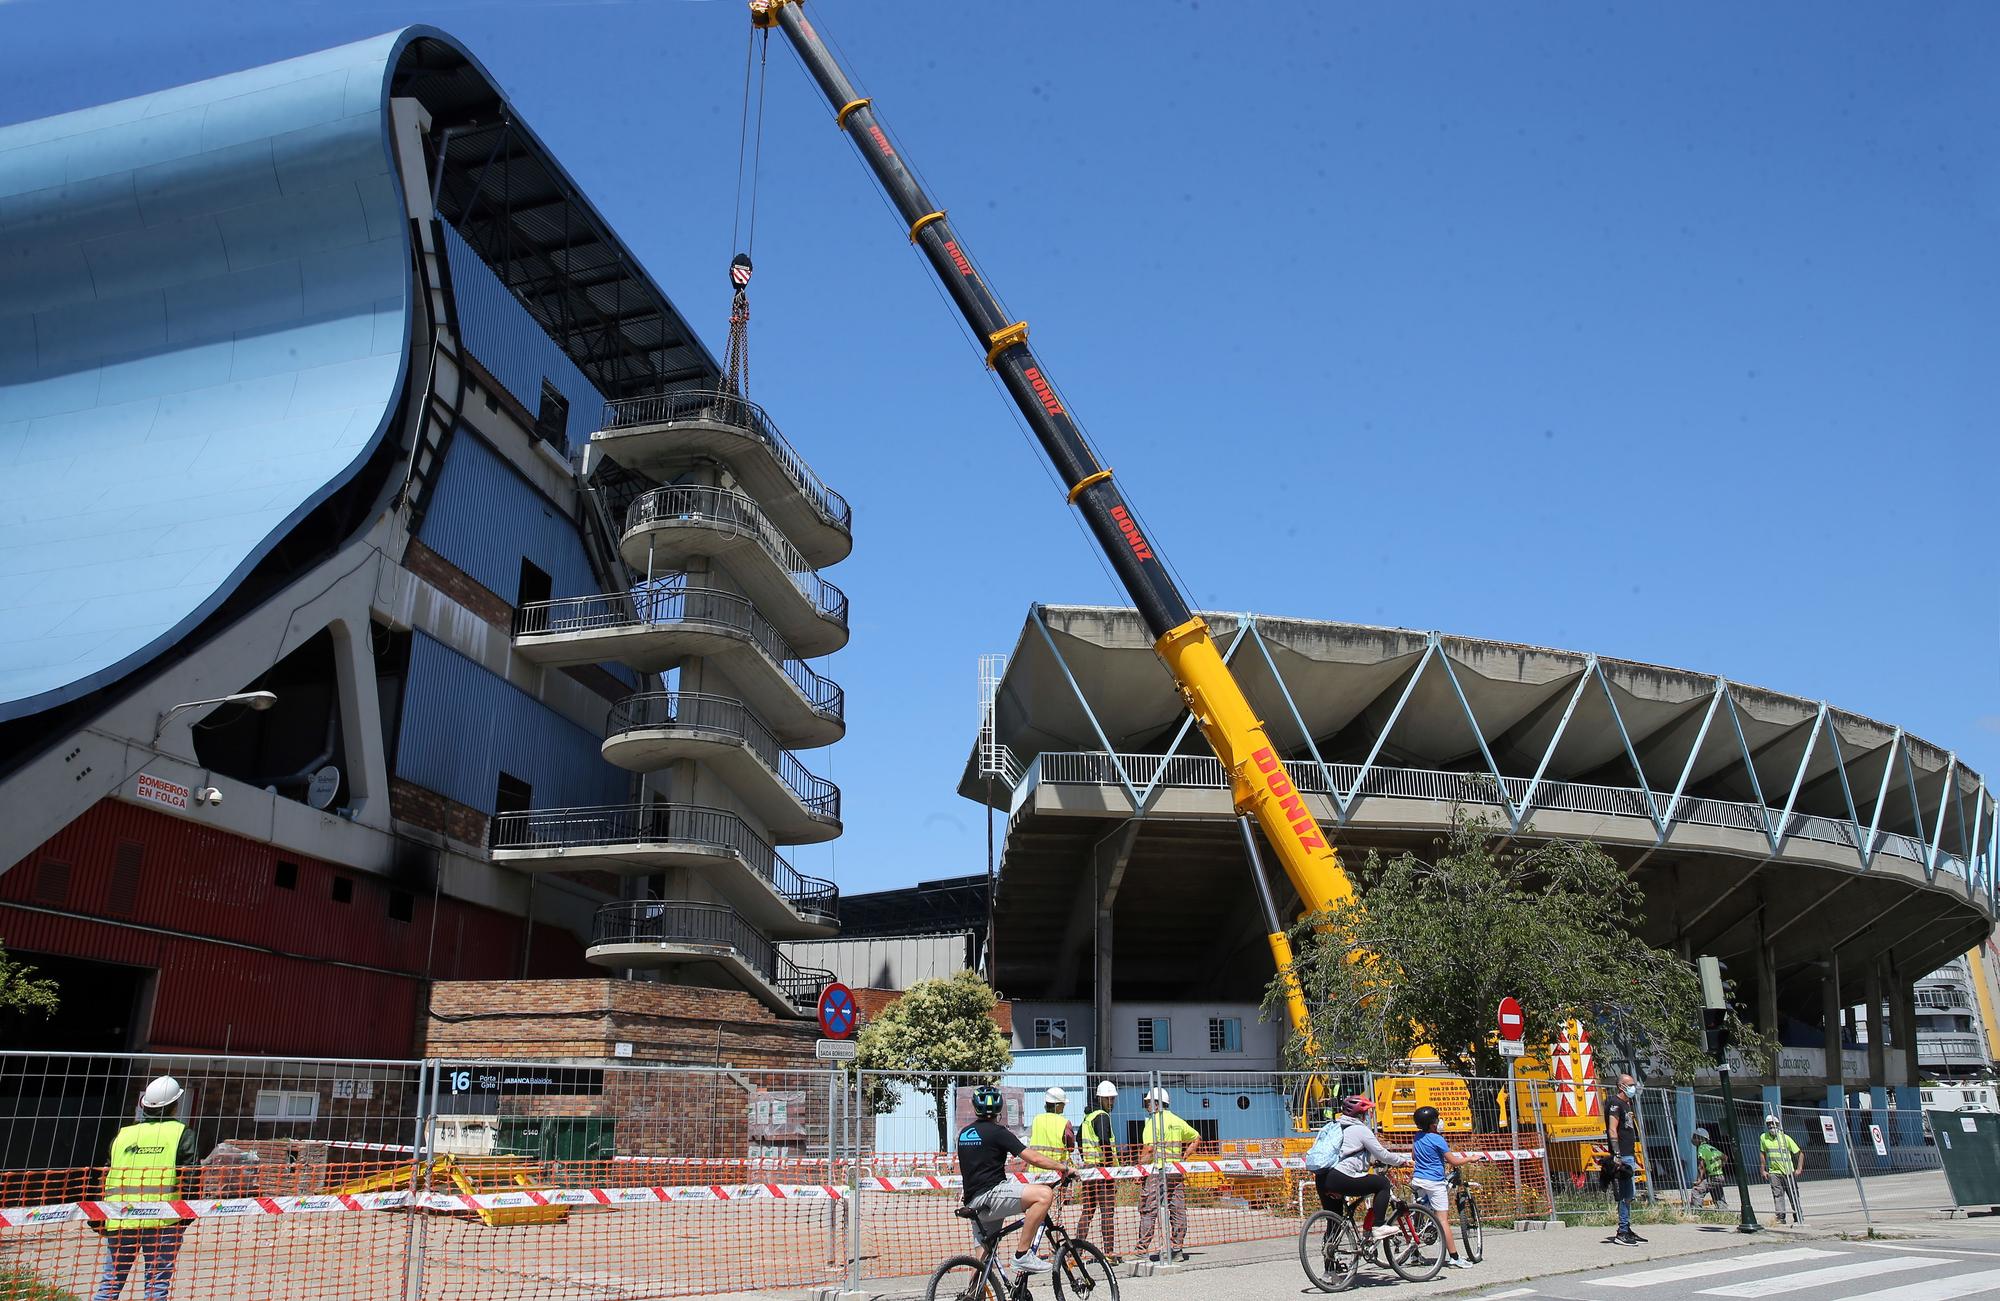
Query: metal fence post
[
  {"x": 423, "y": 1158},
  {"x": 833, "y": 1120},
  {"x": 1854, "y": 1165},
  {"x": 855, "y": 1115},
  {"x": 1548, "y": 1155},
  {"x": 1514, "y": 1125}
]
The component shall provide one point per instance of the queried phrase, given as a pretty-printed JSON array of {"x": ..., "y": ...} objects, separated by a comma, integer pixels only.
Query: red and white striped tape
[{"x": 313, "y": 1204}]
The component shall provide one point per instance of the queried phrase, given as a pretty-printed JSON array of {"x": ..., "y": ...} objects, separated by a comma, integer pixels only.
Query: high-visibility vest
[
  {"x": 1778, "y": 1152},
  {"x": 1045, "y": 1136},
  {"x": 1169, "y": 1135},
  {"x": 144, "y": 1168},
  {"x": 1094, "y": 1152}
]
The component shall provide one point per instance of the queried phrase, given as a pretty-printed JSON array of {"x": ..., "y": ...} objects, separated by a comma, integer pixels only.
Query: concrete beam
[
  {"x": 1878, "y": 1026},
  {"x": 1831, "y": 1008}
]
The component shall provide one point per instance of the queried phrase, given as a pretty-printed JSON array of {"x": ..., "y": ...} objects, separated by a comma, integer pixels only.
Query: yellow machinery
[
  {"x": 1258, "y": 781},
  {"x": 467, "y": 1175}
]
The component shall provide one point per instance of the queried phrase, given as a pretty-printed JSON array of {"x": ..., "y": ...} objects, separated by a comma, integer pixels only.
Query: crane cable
[{"x": 736, "y": 365}]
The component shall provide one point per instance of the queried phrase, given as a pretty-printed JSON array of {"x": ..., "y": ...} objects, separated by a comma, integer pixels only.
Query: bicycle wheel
[
  {"x": 1082, "y": 1271},
  {"x": 963, "y": 1278},
  {"x": 1471, "y": 1233},
  {"x": 1329, "y": 1251},
  {"x": 1417, "y": 1252}
]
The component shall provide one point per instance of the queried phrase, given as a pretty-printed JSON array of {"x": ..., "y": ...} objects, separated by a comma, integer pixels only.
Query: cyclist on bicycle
[
  {"x": 1340, "y": 1160},
  {"x": 983, "y": 1149},
  {"x": 1430, "y": 1176}
]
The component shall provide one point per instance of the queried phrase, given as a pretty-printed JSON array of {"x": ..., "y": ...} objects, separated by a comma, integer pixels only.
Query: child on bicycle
[
  {"x": 1430, "y": 1179},
  {"x": 1339, "y": 1161}
]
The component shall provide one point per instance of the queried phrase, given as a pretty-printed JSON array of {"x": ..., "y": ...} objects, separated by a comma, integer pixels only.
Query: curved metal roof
[{"x": 205, "y": 323}]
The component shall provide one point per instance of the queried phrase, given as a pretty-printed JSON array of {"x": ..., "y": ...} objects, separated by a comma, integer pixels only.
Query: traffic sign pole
[{"x": 1512, "y": 1023}]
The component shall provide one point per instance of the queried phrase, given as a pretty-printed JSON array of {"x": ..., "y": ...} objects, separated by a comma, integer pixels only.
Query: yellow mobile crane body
[{"x": 1258, "y": 782}]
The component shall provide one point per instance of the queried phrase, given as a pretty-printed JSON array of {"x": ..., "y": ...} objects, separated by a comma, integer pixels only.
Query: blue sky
[{"x": 1666, "y": 332}]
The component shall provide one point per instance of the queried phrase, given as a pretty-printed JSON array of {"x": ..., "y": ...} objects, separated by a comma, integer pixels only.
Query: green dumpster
[
  {"x": 556, "y": 1138},
  {"x": 1969, "y": 1144}
]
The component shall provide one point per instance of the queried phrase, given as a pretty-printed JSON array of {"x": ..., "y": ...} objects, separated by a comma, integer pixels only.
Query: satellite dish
[{"x": 325, "y": 785}]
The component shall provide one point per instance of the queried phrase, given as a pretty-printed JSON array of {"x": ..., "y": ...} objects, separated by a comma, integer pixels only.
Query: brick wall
[
  {"x": 678, "y": 1024},
  {"x": 423, "y": 807},
  {"x": 871, "y": 1002},
  {"x": 457, "y": 584}
]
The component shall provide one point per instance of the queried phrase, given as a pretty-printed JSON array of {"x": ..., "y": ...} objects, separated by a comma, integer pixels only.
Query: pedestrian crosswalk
[{"x": 1817, "y": 1274}]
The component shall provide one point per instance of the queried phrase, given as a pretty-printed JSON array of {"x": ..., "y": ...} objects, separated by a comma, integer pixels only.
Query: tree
[
  {"x": 939, "y": 1034},
  {"x": 21, "y": 990},
  {"x": 1426, "y": 951}
]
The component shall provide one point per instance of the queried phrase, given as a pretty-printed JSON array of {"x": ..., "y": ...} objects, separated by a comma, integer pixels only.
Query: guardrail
[
  {"x": 741, "y": 413},
  {"x": 698, "y": 711},
  {"x": 662, "y": 921},
  {"x": 677, "y": 603},
  {"x": 1204, "y": 772},
  {"x": 703, "y": 504},
  {"x": 668, "y": 824}
]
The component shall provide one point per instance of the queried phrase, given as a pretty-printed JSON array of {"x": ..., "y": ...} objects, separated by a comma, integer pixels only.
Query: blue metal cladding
[
  {"x": 203, "y": 329},
  {"x": 462, "y": 727},
  {"x": 485, "y": 518},
  {"x": 497, "y": 330}
]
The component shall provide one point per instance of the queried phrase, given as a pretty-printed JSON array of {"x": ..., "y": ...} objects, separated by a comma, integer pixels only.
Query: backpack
[{"x": 1325, "y": 1153}]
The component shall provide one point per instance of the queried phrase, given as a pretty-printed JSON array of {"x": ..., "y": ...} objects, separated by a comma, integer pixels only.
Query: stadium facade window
[
  {"x": 1051, "y": 1032},
  {"x": 1156, "y": 1034},
  {"x": 1225, "y": 1034}
]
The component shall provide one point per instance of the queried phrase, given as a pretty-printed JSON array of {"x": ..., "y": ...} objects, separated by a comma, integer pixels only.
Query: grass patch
[{"x": 19, "y": 1285}]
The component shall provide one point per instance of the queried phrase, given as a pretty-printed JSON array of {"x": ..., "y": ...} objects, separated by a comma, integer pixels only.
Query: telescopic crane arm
[{"x": 1258, "y": 782}]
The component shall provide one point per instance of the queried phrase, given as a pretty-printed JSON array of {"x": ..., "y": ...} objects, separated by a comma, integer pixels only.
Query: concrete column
[
  {"x": 1767, "y": 978},
  {"x": 1774, "y": 1098},
  {"x": 1903, "y": 1006},
  {"x": 1100, "y": 994},
  {"x": 1878, "y": 1027},
  {"x": 1830, "y": 1010}
]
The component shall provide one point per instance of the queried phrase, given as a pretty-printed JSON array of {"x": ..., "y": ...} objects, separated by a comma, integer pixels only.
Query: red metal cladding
[{"x": 115, "y": 884}]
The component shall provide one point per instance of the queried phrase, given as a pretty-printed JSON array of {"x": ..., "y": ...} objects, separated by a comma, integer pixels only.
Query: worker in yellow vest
[
  {"x": 1052, "y": 1137},
  {"x": 1167, "y": 1138},
  {"x": 147, "y": 1161},
  {"x": 1098, "y": 1142}
]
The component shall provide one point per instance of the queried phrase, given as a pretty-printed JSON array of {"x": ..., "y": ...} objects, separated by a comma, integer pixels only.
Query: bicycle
[
  {"x": 1465, "y": 1210},
  {"x": 1082, "y": 1271},
  {"x": 1331, "y": 1247}
]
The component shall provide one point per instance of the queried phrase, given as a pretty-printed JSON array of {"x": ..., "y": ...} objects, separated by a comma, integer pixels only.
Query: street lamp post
[{"x": 257, "y": 700}]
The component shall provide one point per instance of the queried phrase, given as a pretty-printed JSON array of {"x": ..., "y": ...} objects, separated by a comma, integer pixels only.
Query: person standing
[
  {"x": 1099, "y": 1150},
  {"x": 1167, "y": 1138},
  {"x": 1431, "y": 1161},
  {"x": 1052, "y": 1137},
  {"x": 1779, "y": 1160},
  {"x": 147, "y": 1161},
  {"x": 1621, "y": 1128}
]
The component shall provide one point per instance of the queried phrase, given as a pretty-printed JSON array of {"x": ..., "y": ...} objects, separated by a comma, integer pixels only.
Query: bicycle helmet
[
  {"x": 986, "y": 1102},
  {"x": 1356, "y": 1105},
  {"x": 1426, "y": 1117}
]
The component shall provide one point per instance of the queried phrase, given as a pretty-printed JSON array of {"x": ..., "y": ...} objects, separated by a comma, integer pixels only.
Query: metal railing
[
  {"x": 1204, "y": 772},
  {"x": 677, "y": 603},
  {"x": 661, "y": 921},
  {"x": 742, "y": 512},
  {"x": 668, "y": 824},
  {"x": 740, "y": 413},
  {"x": 698, "y": 711}
]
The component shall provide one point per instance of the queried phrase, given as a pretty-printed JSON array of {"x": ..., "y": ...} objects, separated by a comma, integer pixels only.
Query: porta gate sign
[{"x": 836, "y": 1011}]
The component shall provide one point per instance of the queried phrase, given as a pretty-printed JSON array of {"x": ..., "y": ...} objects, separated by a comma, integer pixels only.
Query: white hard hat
[
  {"x": 163, "y": 1092},
  {"x": 1770, "y": 1120},
  {"x": 1055, "y": 1097},
  {"x": 1157, "y": 1095},
  {"x": 1106, "y": 1089}
]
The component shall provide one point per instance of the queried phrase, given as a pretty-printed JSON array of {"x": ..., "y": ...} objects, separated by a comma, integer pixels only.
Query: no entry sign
[
  {"x": 836, "y": 1011},
  {"x": 1511, "y": 1023}
]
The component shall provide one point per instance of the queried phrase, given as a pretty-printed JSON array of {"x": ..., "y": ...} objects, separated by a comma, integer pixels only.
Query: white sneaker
[
  {"x": 1385, "y": 1231},
  {"x": 1032, "y": 1264},
  {"x": 1458, "y": 1262}
]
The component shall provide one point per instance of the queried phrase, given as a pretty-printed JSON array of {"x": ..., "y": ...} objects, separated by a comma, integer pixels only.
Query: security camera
[{"x": 208, "y": 795}]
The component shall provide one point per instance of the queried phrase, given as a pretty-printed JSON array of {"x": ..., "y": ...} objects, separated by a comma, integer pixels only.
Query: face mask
[{"x": 1629, "y": 1089}]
